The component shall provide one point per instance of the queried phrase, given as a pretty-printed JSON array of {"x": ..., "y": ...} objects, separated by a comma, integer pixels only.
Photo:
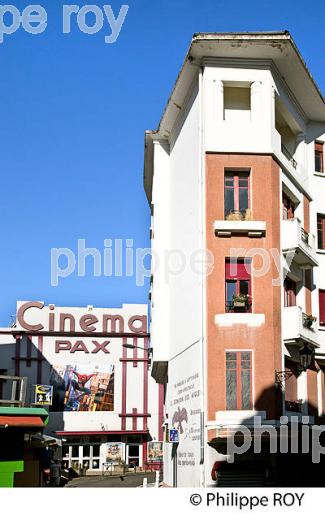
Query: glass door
[{"x": 133, "y": 454}]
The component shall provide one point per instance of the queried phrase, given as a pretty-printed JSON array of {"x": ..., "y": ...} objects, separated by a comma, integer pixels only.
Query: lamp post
[{"x": 306, "y": 354}]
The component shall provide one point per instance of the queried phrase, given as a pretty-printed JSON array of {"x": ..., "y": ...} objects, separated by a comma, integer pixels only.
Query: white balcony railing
[
  {"x": 295, "y": 240},
  {"x": 294, "y": 330}
]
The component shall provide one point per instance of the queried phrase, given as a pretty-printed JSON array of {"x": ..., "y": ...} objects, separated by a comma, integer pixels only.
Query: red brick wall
[{"x": 265, "y": 341}]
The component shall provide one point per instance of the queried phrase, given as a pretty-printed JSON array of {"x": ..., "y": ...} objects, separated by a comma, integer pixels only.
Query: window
[
  {"x": 75, "y": 452},
  {"x": 321, "y": 231},
  {"x": 238, "y": 285},
  {"x": 237, "y": 195},
  {"x": 238, "y": 380},
  {"x": 84, "y": 455},
  {"x": 322, "y": 307},
  {"x": 237, "y": 103},
  {"x": 290, "y": 291},
  {"x": 319, "y": 157},
  {"x": 288, "y": 209}
]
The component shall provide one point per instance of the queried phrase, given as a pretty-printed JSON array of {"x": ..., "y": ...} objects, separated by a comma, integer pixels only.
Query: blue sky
[{"x": 73, "y": 113}]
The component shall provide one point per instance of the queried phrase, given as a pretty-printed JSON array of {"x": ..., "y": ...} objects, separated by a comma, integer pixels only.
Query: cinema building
[
  {"x": 236, "y": 167},
  {"x": 105, "y": 407}
]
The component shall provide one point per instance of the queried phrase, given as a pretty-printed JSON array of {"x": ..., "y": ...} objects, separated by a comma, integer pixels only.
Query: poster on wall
[
  {"x": 155, "y": 451},
  {"x": 114, "y": 452},
  {"x": 83, "y": 388},
  {"x": 43, "y": 394}
]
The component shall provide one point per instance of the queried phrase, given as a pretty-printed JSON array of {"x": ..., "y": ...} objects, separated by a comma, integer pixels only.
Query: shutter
[{"x": 238, "y": 269}]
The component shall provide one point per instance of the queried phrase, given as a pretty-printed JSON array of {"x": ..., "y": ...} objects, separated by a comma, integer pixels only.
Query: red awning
[
  {"x": 101, "y": 432},
  {"x": 21, "y": 421}
]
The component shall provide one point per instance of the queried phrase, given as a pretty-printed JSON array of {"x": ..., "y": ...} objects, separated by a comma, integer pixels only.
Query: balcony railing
[
  {"x": 304, "y": 236},
  {"x": 14, "y": 389},
  {"x": 288, "y": 155}
]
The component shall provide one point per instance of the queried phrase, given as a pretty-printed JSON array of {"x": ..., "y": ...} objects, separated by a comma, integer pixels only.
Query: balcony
[
  {"x": 295, "y": 330},
  {"x": 298, "y": 244},
  {"x": 13, "y": 390},
  {"x": 250, "y": 228},
  {"x": 288, "y": 155}
]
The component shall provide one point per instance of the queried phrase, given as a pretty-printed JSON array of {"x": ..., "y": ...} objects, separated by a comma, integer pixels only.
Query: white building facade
[{"x": 236, "y": 168}]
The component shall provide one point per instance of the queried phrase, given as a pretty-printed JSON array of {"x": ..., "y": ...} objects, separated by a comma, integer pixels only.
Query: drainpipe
[{"x": 203, "y": 279}]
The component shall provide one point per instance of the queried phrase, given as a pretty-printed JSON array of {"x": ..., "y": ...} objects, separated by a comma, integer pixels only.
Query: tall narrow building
[{"x": 235, "y": 179}]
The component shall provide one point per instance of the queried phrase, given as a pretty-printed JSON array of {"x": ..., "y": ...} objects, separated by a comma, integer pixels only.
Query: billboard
[{"x": 82, "y": 388}]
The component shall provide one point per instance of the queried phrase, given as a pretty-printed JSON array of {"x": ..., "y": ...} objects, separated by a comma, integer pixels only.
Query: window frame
[
  {"x": 320, "y": 231},
  {"x": 321, "y": 307},
  {"x": 237, "y": 279},
  {"x": 319, "y": 149},
  {"x": 288, "y": 207},
  {"x": 290, "y": 293},
  {"x": 236, "y": 175},
  {"x": 238, "y": 370}
]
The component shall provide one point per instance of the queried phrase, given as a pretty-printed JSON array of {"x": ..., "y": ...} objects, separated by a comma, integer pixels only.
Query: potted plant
[
  {"x": 240, "y": 301},
  {"x": 248, "y": 214},
  {"x": 234, "y": 215},
  {"x": 309, "y": 319}
]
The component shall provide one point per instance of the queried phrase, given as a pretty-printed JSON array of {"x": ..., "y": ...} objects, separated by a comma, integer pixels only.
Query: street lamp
[
  {"x": 128, "y": 345},
  {"x": 306, "y": 354}
]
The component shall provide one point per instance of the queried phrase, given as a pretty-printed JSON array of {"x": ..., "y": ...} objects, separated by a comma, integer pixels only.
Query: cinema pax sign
[{"x": 35, "y": 317}]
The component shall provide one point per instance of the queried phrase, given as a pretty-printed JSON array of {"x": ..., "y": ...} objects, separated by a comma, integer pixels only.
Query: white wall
[
  {"x": 184, "y": 397},
  {"x": 176, "y": 297}
]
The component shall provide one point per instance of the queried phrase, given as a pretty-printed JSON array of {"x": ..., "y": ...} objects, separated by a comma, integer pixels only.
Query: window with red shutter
[{"x": 238, "y": 284}]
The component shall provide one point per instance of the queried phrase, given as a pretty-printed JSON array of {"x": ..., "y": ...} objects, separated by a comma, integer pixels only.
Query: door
[{"x": 133, "y": 454}]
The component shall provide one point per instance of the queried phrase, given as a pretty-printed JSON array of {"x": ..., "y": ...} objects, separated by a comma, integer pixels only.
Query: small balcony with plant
[
  {"x": 239, "y": 303},
  {"x": 299, "y": 327}
]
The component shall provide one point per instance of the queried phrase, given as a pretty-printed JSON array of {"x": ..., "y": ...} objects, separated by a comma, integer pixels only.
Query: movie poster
[
  {"x": 83, "y": 388},
  {"x": 114, "y": 452},
  {"x": 155, "y": 451}
]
